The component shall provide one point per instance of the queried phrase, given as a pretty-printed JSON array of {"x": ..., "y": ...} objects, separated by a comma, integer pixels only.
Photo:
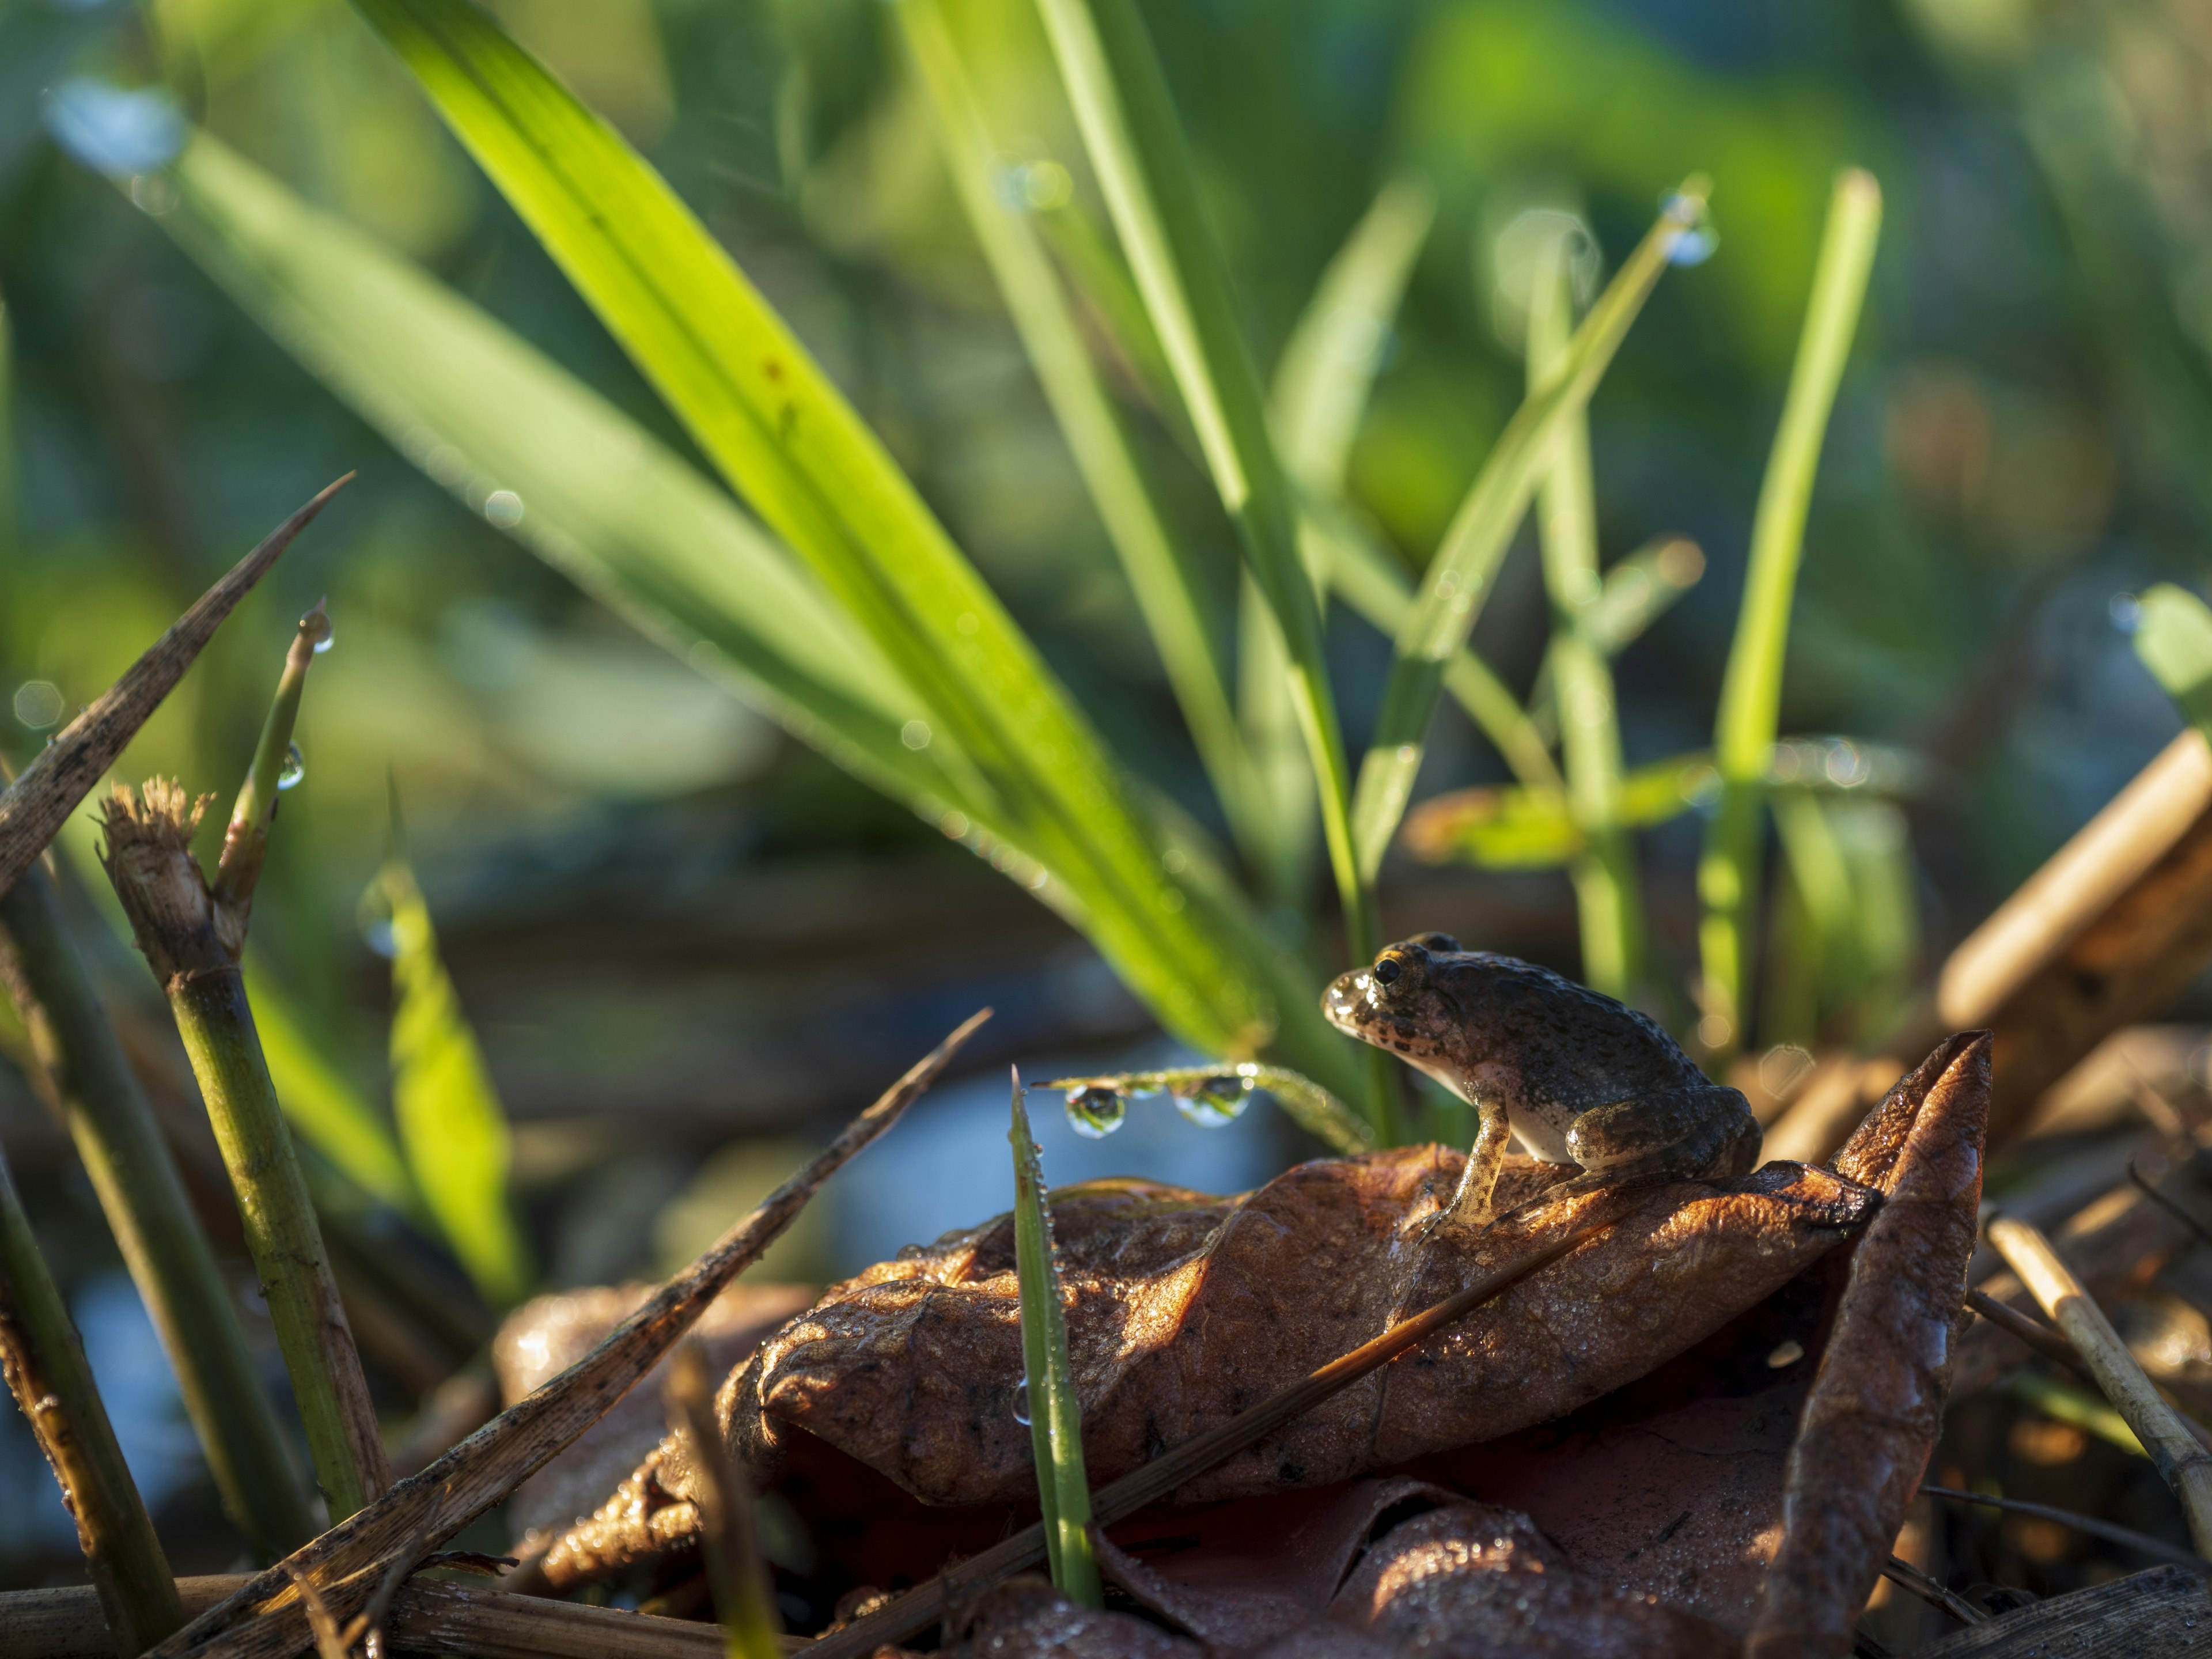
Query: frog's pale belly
[{"x": 1539, "y": 1139}]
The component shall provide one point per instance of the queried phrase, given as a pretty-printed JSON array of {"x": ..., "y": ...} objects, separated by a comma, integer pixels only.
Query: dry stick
[
  {"x": 1905, "y": 1576},
  {"x": 926, "y": 1603},
  {"x": 2125, "y": 1536},
  {"x": 2053, "y": 1346},
  {"x": 141, "y": 1193},
  {"x": 2135, "y": 1174},
  {"x": 46, "y": 1371},
  {"x": 265, "y": 1618},
  {"x": 2185, "y": 1465},
  {"x": 35, "y": 806},
  {"x": 728, "y": 1539}
]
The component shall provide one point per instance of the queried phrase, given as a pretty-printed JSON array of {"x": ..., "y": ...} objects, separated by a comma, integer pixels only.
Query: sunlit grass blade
[
  {"x": 1609, "y": 885},
  {"x": 450, "y": 1119},
  {"x": 1026, "y": 771},
  {"x": 322, "y": 1105},
  {"x": 1098, "y": 273},
  {"x": 1158, "y": 576},
  {"x": 1329, "y": 363},
  {"x": 1459, "y": 577},
  {"x": 2173, "y": 639},
  {"x": 1526, "y": 829},
  {"x": 1751, "y": 689},
  {"x": 1637, "y": 592},
  {"x": 46, "y": 1372},
  {"x": 730, "y": 1543},
  {"x": 1055, "y": 1419},
  {"x": 1136, "y": 147},
  {"x": 142, "y": 1194},
  {"x": 1216, "y": 1094}
]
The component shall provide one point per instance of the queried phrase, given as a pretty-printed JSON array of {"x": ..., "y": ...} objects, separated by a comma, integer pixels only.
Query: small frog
[{"x": 1579, "y": 1078}]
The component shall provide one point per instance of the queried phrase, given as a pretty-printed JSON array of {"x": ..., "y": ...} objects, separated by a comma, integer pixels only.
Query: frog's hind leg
[{"x": 1470, "y": 1204}]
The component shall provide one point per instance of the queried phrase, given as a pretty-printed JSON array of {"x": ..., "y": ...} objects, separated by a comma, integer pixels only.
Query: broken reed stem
[
  {"x": 928, "y": 1602},
  {"x": 144, "y": 1197},
  {"x": 1055, "y": 1416},
  {"x": 264, "y": 1618},
  {"x": 46, "y": 1372},
  {"x": 246, "y": 839},
  {"x": 63, "y": 773},
  {"x": 2185, "y": 1464},
  {"x": 2126, "y": 1537},
  {"x": 729, "y": 1541}
]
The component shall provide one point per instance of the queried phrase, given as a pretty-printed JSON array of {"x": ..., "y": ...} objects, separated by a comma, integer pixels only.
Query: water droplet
[
  {"x": 504, "y": 508},
  {"x": 1212, "y": 1101},
  {"x": 2126, "y": 611},
  {"x": 38, "y": 704},
  {"x": 1022, "y": 1402},
  {"x": 381, "y": 938},
  {"x": 329, "y": 638},
  {"x": 1095, "y": 1110},
  {"x": 1700, "y": 238},
  {"x": 915, "y": 734},
  {"x": 294, "y": 769}
]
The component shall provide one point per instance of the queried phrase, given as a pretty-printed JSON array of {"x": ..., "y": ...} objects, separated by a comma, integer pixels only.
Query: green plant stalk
[
  {"x": 1751, "y": 687},
  {"x": 731, "y": 1544},
  {"x": 143, "y": 1197},
  {"x": 1608, "y": 888},
  {"x": 47, "y": 1374},
  {"x": 282, "y": 1235},
  {"x": 1638, "y": 591},
  {"x": 1055, "y": 1418},
  {"x": 1460, "y": 576},
  {"x": 245, "y": 839},
  {"x": 1136, "y": 146},
  {"x": 1095, "y": 434}
]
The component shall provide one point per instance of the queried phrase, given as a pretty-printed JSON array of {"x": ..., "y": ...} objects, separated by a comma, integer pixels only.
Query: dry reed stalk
[
  {"x": 2185, "y": 1464},
  {"x": 65, "y": 770},
  {"x": 266, "y": 1617}
]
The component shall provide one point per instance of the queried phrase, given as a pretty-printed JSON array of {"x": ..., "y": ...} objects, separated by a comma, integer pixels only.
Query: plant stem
[
  {"x": 144, "y": 1197},
  {"x": 1608, "y": 889},
  {"x": 731, "y": 1544},
  {"x": 281, "y": 1230},
  {"x": 1750, "y": 689},
  {"x": 47, "y": 1373}
]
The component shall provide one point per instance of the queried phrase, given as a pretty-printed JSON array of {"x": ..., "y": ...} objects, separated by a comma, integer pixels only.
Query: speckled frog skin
[{"x": 1575, "y": 1077}]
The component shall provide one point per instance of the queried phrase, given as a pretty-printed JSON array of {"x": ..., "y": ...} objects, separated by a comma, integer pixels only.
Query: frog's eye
[{"x": 1388, "y": 968}]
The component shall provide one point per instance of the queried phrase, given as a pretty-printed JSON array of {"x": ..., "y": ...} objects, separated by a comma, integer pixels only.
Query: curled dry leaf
[
  {"x": 1184, "y": 1310},
  {"x": 1877, "y": 1398}
]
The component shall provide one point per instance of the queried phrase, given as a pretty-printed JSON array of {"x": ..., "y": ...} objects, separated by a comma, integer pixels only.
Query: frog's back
[{"x": 1571, "y": 1045}]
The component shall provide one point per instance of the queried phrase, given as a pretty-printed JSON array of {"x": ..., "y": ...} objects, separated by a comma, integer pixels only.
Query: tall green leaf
[
  {"x": 1459, "y": 577},
  {"x": 1751, "y": 689},
  {"x": 1024, "y": 775},
  {"x": 450, "y": 1118}
]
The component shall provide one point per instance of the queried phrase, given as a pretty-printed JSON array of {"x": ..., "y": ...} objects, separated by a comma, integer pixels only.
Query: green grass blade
[
  {"x": 1459, "y": 577},
  {"x": 450, "y": 1118},
  {"x": 1028, "y": 773},
  {"x": 1638, "y": 591},
  {"x": 1328, "y": 365},
  {"x": 1055, "y": 1418},
  {"x": 1608, "y": 885},
  {"x": 1750, "y": 689},
  {"x": 1136, "y": 147},
  {"x": 1534, "y": 828},
  {"x": 1095, "y": 434},
  {"x": 1094, "y": 268},
  {"x": 329, "y": 1113},
  {"x": 2173, "y": 640}
]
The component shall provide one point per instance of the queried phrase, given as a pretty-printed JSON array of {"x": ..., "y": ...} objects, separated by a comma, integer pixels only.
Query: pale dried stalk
[
  {"x": 65, "y": 770},
  {"x": 926, "y": 1603},
  {"x": 266, "y": 1617},
  {"x": 2185, "y": 1465},
  {"x": 729, "y": 1542}
]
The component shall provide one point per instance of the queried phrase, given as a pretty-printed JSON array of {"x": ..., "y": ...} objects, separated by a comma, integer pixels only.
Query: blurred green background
[{"x": 688, "y": 943}]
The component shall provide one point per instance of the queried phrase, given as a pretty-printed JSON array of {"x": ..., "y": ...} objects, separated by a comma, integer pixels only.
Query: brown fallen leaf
[
  {"x": 1877, "y": 1398},
  {"x": 1185, "y": 1310}
]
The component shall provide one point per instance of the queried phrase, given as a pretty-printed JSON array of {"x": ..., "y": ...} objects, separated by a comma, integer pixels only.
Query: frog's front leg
[
  {"x": 1470, "y": 1204},
  {"x": 1700, "y": 1130}
]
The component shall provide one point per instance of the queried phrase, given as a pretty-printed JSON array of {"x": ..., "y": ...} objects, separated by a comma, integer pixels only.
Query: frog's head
[{"x": 1402, "y": 1003}]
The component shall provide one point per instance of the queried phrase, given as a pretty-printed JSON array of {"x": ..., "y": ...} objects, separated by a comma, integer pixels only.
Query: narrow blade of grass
[
  {"x": 1055, "y": 1417},
  {"x": 142, "y": 1194},
  {"x": 1526, "y": 829},
  {"x": 1751, "y": 688},
  {"x": 1136, "y": 147},
  {"x": 1608, "y": 886},
  {"x": 2173, "y": 640},
  {"x": 1459, "y": 577},
  {"x": 1096, "y": 437},
  {"x": 1029, "y": 771},
  {"x": 731, "y": 1544},
  {"x": 450, "y": 1118},
  {"x": 51, "y": 1381},
  {"x": 1637, "y": 592},
  {"x": 1328, "y": 365}
]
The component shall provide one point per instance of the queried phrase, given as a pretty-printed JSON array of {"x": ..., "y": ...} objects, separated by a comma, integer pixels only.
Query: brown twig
[
  {"x": 64, "y": 771},
  {"x": 2126, "y": 1537},
  {"x": 2142, "y": 1182},
  {"x": 925, "y": 1603},
  {"x": 265, "y": 1618},
  {"x": 1905, "y": 1576},
  {"x": 2033, "y": 1332},
  {"x": 2185, "y": 1464}
]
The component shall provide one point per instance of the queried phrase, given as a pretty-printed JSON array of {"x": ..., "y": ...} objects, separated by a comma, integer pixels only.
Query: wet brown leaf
[{"x": 1877, "y": 1398}]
